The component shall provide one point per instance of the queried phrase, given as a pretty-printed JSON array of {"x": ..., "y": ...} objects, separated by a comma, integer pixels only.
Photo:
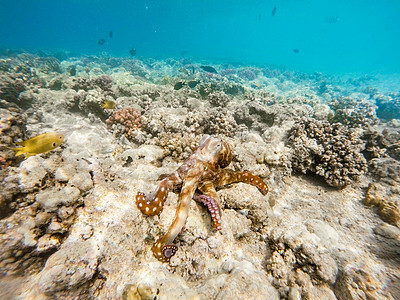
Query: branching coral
[{"x": 329, "y": 150}]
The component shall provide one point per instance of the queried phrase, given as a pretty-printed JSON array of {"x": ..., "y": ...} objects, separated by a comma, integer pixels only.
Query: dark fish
[
  {"x": 296, "y": 50},
  {"x": 179, "y": 85},
  {"x": 192, "y": 84},
  {"x": 132, "y": 52},
  {"x": 209, "y": 69},
  {"x": 273, "y": 11},
  {"x": 72, "y": 71},
  {"x": 110, "y": 34},
  {"x": 332, "y": 19},
  {"x": 101, "y": 41}
]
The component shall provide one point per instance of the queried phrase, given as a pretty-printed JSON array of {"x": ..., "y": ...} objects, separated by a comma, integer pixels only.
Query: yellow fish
[
  {"x": 108, "y": 104},
  {"x": 39, "y": 144}
]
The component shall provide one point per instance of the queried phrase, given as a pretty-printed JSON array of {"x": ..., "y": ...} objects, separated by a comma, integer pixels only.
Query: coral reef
[
  {"x": 382, "y": 144},
  {"x": 129, "y": 118},
  {"x": 388, "y": 106},
  {"x": 386, "y": 201},
  {"x": 41, "y": 210},
  {"x": 386, "y": 169},
  {"x": 218, "y": 99},
  {"x": 328, "y": 150},
  {"x": 247, "y": 74},
  {"x": 353, "y": 112},
  {"x": 298, "y": 266},
  {"x": 12, "y": 122},
  {"x": 11, "y": 85},
  {"x": 70, "y": 230},
  {"x": 105, "y": 82}
]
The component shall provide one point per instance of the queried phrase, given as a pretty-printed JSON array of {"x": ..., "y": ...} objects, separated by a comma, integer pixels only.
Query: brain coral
[{"x": 329, "y": 150}]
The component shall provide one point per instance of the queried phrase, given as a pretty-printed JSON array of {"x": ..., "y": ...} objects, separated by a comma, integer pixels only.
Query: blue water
[{"x": 329, "y": 36}]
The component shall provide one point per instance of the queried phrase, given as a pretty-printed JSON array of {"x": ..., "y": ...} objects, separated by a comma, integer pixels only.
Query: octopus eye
[{"x": 169, "y": 250}]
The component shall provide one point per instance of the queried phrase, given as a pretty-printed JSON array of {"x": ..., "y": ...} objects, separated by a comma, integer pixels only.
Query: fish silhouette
[
  {"x": 209, "y": 69},
  {"x": 132, "y": 52},
  {"x": 101, "y": 41},
  {"x": 273, "y": 11}
]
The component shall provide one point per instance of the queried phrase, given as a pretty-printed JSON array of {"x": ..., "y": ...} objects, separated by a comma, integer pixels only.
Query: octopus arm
[
  {"x": 164, "y": 248},
  {"x": 227, "y": 176},
  {"x": 208, "y": 199},
  {"x": 153, "y": 205}
]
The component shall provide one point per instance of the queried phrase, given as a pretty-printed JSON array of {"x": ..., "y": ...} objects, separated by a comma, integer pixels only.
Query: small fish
[
  {"x": 259, "y": 17},
  {"x": 179, "y": 85},
  {"x": 333, "y": 19},
  {"x": 273, "y": 11},
  {"x": 209, "y": 69},
  {"x": 192, "y": 84},
  {"x": 101, "y": 41},
  {"x": 72, "y": 71},
  {"x": 110, "y": 34},
  {"x": 191, "y": 67},
  {"x": 108, "y": 104},
  {"x": 132, "y": 52},
  {"x": 296, "y": 50},
  {"x": 39, "y": 144}
]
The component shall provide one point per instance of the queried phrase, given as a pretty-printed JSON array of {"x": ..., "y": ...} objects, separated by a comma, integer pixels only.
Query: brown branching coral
[
  {"x": 330, "y": 150},
  {"x": 129, "y": 118}
]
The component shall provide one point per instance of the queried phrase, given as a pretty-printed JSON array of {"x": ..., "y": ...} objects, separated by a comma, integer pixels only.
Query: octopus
[{"x": 197, "y": 178}]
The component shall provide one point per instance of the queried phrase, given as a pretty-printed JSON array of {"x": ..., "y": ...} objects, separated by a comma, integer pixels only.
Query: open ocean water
[{"x": 303, "y": 35}]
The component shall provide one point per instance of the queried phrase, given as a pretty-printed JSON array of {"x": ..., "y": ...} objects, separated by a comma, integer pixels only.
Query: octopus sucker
[
  {"x": 213, "y": 208},
  {"x": 198, "y": 177}
]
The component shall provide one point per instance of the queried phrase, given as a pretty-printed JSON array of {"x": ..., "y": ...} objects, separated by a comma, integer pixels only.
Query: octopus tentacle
[
  {"x": 212, "y": 207},
  {"x": 228, "y": 176},
  {"x": 164, "y": 249},
  {"x": 208, "y": 198},
  {"x": 153, "y": 205}
]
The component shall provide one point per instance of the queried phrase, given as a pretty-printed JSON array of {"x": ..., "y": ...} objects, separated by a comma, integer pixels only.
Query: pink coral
[{"x": 129, "y": 117}]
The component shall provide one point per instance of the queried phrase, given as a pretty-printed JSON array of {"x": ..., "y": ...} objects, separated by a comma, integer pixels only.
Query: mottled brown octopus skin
[{"x": 203, "y": 170}]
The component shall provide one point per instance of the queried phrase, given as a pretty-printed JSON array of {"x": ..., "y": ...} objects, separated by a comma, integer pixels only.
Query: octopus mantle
[{"x": 198, "y": 178}]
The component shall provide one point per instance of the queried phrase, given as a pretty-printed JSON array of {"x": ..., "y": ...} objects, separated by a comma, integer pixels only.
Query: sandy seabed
[{"x": 327, "y": 147}]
